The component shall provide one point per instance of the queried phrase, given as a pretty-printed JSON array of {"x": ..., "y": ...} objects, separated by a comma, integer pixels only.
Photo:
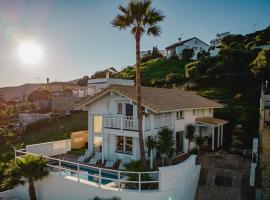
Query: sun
[{"x": 30, "y": 52}]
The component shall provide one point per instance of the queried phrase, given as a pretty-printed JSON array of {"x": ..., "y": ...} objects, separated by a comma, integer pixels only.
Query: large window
[
  {"x": 124, "y": 144},
  {"x": 97, "y": 124}
]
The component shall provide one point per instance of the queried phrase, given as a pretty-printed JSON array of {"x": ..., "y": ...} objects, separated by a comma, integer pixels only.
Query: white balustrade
[
  {"x": 130, "y": 123},
  {"x": 78, "y": 170}
]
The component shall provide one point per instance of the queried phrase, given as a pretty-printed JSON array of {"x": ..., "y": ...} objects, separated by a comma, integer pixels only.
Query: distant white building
[
  {"x": 96, "y": 85},
  {"x": 216, "y": 43},
  {"x": 193, "y": 43}
]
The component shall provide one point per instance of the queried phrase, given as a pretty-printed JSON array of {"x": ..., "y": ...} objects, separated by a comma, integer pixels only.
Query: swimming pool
[{"x": 87, "y": 172}]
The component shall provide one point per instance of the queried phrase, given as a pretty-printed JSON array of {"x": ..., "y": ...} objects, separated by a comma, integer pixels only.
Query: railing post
[
  {"x": 59, "y": 167},
  {"x": 163, "y": 120},
  {"x": 78, "y": 171},
  {"x": 152, "y": 121},
  {"x": 159, "y": 181},
  {"x": 119, "y": 183},
  {"x": 121, "y": 122},
  {"x": 140, "y": 187},
  {"x": 99, "y": 178}
]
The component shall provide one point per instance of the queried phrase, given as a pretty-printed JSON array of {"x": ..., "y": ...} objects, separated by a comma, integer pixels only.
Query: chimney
[
  {"x": 108, "y": 74},
  {"x": 179, "y": 39},
  {"x": 48, "y": 80}
]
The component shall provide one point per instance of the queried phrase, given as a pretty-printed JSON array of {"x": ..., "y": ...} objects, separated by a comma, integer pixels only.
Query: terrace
[{"x": 98, "y": 175}]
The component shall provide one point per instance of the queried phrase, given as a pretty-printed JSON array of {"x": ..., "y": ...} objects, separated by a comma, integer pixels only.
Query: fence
[
  {"x": 100, "y": 176},
  {"x": 50, "y": 148}
]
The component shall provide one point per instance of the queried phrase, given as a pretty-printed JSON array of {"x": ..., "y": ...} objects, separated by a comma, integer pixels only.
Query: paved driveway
[{"x": 224, "y": 176}]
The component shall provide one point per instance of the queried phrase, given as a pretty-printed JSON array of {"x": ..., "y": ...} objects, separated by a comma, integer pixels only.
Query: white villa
[
  {"x": 113, "y": 126},
  {"x": 113, "y": 135},
  {"x": 193, "y": 43}
]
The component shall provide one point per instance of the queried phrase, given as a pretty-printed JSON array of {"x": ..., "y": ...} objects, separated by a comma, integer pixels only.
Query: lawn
[
  {"x": 155, "y": 70},
  {"x": 45, "y": 131}
]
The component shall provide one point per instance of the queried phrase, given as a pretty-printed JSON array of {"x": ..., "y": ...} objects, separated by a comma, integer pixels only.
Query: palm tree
[
  {"x": 26, "y": 169},
  {"x": 165, "y": 143},
  {"x": 199, "y": 141},
  {"x": 190, "y": 133},
  {"x": 141, "y": 18},
  {"x": 151, "y": 144}
]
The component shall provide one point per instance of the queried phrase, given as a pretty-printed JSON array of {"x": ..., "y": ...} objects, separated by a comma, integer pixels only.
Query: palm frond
[
  {"x": 121, "y": 21},
  {"x": 153, "y": 16},
  {"x": 154, "y": 31}
]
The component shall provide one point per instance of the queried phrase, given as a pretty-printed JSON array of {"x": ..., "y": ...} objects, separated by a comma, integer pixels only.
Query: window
[
  {"x": 124, "y": 144},
  {"x": 180, "y": 115},
  {"x": 119, "y": 143},
  {"x": 128, "y": 144},
  {"x": 97, "y": 124},
  {"x": 119, "y": 108},
  {"x": 196, "y": 41},
  {"x": 194, "y": 112},
  {"x": 97, "y": 144}
]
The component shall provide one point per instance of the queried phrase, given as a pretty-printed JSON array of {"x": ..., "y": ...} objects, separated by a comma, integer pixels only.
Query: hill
[
  {"x": 17, "y": 92},
  {"x": 155, "y": 70},
  {"x": 43, "y": 131}
]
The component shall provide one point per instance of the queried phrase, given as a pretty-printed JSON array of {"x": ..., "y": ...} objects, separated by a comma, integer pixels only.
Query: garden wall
[
  {"x": 50, "y": 148},
  {"x": 177, "y": 183}
]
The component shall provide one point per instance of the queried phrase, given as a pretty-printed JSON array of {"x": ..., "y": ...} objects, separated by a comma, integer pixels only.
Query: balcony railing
[
  {"x": 150, "y": 122},
  {"x": 100, "y": 177},
  {"x": 120, "y": 122}
]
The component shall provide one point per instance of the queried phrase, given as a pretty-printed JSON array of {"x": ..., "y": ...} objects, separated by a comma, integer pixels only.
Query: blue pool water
[{"x": 90, "y": 172}]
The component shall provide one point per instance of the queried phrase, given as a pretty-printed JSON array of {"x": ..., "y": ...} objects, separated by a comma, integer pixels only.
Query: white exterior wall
[
  {"x": 178, "y": 182},
  {"x": 189, "y": 117},
  {"x": 200, "y": 46},
  {"x": 108, "y": 105}
]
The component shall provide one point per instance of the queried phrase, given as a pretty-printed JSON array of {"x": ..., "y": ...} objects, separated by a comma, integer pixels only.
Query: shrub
[
  {"x": 173, "y": 78},
  {"x": 187, "y": 54}
]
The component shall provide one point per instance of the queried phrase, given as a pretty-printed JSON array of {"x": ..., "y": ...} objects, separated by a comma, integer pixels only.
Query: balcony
[{"x": 150, "y": 122}]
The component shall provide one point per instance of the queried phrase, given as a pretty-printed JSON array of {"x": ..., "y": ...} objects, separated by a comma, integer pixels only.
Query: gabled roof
[
  {"x": 160, "y": 99},
  {"x": 183, "y": 42}
]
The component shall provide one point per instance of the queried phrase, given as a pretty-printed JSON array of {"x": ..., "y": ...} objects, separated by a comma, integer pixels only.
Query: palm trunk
[
  {"x": 139, "y": 97},
  {"x": 31, "y": 191},
  {"x": 188, "y": 145}
]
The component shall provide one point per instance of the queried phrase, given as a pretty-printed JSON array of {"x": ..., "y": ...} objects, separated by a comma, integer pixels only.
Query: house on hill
[
  {"x": 113, "y": 124},
  {"x": 217, "y": 42},
  {"x": 193, "y": 43}
]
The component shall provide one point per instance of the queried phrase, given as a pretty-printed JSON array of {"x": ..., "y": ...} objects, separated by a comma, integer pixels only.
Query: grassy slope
[
  {"x": 155, "y": 70},
  {"x": 56, "y": 129}
]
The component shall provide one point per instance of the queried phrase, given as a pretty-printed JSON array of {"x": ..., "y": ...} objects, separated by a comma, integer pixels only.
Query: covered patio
[{"x": 213, "y": 128}]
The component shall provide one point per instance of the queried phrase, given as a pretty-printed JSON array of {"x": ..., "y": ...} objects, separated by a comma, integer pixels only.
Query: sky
[{"x": 77, "y": 39}]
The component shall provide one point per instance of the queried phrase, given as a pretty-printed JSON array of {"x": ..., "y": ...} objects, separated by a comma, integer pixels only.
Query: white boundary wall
[
  {"x": 50, "y": 148},
  {"x": 178, "y": 182}
]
